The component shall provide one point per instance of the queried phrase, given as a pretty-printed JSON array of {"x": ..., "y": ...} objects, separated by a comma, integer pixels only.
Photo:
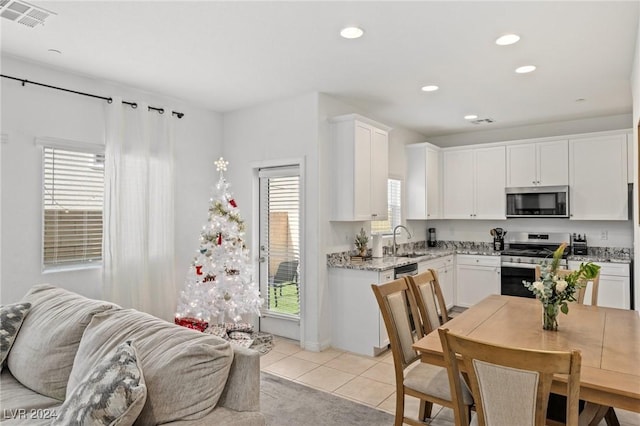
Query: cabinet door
[
  {"x": 383, "y": 336},
  {"x": 613, "y": 292},
  {"x": 445, "y": 277},
  {"x": 490, "y": 183},
  {"x": 553, "y": 163},
  {"x": 416, "y": 187},
  {"x": 598, "y": 178},
  {"x": 474, "y": 283},
  {"x": 434, "y": 204},
  {"x": 458, "y": 176},
  {"x": 521, "y": 165},
  {"x": 379, "y": 175},
  {"x": 362, "y": 171}
]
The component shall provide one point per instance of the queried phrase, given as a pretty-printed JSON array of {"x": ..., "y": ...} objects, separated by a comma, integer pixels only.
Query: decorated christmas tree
[{"x": 219, "y": 287}]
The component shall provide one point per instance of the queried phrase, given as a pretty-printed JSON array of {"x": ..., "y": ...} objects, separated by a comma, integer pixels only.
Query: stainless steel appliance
[
  {"x": 538, "y": 201},
  {"x": 405, "y": 270},
  {"x": 523, "y": 251},
  {"x": 579, "y": 244}
]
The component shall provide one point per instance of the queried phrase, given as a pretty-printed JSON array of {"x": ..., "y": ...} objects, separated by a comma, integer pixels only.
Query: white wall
[
  {"x": 572, "y": 127},
  {"x": 31, "y": 111},
  {"x": 635, "y": 89},
  {"x": 269, "y": 134},
  {"x": 619, "y": 233}
]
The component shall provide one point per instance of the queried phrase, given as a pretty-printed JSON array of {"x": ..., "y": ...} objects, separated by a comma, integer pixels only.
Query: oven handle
[{"x": 518, "y": 265}]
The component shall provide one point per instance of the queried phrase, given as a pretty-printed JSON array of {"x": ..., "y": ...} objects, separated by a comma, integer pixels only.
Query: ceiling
[{"x": 232, "y": 55}]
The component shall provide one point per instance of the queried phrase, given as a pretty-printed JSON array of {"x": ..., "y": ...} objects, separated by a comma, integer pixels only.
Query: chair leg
[
  {"x": 399, "y": 409},
  {"x": 425, "y": 410},
  {"x": 275, "y": 295},
  {"x": 611, "y": 418}
]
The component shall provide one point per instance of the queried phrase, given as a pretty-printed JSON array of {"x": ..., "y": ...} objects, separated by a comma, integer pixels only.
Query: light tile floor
[{"x": 362, "y": 379}]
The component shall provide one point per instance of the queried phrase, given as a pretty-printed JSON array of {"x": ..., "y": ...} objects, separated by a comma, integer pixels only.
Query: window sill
[{"x": 69, "y": 268}]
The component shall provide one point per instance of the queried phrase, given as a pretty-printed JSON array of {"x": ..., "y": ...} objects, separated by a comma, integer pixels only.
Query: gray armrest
[{"x": 242, "y": 391}]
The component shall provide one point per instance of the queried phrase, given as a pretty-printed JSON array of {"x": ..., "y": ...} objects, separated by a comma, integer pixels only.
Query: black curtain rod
[{"x": 109, "y": 100}]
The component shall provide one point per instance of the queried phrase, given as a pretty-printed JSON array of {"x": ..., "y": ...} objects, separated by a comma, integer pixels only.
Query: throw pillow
[
  {"x": 11, "y": 317},
  {"x": 112, "y": 393}
]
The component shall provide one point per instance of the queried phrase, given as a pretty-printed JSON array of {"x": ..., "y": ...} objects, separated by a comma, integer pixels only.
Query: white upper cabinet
[
  {"x": 598, "y": 178},
  {"x": 538, "y": 164},
  {"x": 360, "y": 168},
  {"x": 474, "y": 182},
  {"x": 424, "y": 197}
]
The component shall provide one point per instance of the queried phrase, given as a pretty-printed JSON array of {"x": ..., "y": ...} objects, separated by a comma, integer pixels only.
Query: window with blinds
[
  {"x": 73, "y": 193},
  {"x": 394, "y": 217},
  {"x": 280, "y": 237}
]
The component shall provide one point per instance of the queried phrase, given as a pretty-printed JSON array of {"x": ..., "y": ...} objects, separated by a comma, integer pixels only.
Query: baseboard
[{"x": 317, "y": 346}]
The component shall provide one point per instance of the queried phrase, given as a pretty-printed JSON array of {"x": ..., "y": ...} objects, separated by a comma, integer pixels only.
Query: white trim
[
  {"x": 300, "y": 162},
  {"x": 69, "y": 144},
  {"x": 358, "y": 117}
]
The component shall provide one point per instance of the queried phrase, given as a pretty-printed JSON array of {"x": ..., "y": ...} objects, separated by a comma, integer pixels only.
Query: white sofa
[{"x": 191, "y": 378}]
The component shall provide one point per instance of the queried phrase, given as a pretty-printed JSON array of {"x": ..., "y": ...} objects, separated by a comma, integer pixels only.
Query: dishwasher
[{"x": 405, "y": 270}]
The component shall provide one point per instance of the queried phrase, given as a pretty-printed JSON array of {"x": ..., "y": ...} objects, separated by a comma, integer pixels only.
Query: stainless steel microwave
[{"x": 538, "y": 201}]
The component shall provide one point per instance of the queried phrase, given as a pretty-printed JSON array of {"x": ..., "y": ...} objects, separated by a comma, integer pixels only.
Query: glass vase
[{"x": 550, "y": 316}]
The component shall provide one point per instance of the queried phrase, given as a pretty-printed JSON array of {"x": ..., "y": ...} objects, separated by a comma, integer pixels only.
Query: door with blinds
[{"x": 280, "y": 261}]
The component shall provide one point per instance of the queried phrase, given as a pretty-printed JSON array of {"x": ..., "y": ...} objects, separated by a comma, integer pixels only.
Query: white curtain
[{"x": 138, "y": 244}]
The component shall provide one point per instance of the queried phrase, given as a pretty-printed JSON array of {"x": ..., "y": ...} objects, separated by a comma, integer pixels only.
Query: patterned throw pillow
[
  {"x": 11, "y": 317},
  {"x": 113, "y": 393}
]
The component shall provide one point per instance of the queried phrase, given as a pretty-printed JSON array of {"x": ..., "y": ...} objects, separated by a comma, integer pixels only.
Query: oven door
[{"x": 512, "y": 276}]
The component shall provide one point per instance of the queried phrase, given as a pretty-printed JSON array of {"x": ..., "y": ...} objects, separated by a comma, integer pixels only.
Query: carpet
[{"x": 287, "y": 403}]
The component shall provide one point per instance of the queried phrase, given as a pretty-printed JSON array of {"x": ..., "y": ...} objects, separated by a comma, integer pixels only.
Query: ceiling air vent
[
  {"x": 482, "y": 121},
  {"x": 24, "y": 13}
]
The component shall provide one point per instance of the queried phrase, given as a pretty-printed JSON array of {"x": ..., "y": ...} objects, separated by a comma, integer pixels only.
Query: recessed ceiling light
[
  {"x": 470, "y": 117},
  {"x": 507, "y": 39},
  {"x": 430, "y": 88},
  {"x": 525, "y": 69},
  {"x": 351, "y": 32}
]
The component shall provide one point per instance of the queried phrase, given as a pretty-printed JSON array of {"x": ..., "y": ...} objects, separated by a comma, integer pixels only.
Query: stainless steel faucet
[{"x": 395, "y": 248}]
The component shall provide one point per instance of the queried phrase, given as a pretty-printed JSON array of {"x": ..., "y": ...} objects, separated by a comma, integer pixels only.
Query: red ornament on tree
[
  {"x": 198, "y": 270},
  {"x": 219, "y": 239},
  {"x": 233, "y": 203}
]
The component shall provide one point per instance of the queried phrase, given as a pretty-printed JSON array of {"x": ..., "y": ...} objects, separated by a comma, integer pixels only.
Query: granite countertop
[
  {"x": 422, "y": 253},
  {"x": 390, "y": 262}
]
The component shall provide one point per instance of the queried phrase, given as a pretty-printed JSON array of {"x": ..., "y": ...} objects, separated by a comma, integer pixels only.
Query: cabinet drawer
[
  {"x": 478, "y": 260},
  {"x": 615, "y": 269}
]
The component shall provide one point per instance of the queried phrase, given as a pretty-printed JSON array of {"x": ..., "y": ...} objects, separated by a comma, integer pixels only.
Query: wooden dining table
[{"x": 608, "y": 338}]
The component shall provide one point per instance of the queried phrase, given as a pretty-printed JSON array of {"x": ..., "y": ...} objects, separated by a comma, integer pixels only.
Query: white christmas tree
[{"x": 219, "y": 285}]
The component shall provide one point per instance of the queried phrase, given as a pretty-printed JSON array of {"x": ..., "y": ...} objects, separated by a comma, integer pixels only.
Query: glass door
[{"x": 280, "y": 260}]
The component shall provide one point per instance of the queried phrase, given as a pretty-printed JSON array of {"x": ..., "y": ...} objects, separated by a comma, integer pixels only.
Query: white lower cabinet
[
  {"x": 356, "y": 322},
  {"x": 476, "y": 278},
  {"x": 444, "y": 266},
  {"x": 614, "y": 290}
]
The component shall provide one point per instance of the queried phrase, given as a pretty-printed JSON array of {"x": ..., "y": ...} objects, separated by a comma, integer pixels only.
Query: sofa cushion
[
  {"x": 11, "y": 317},
  {"x": 185, "y": 370},
  {"x": 21, "y": 405},
  {"x": 43, "y": 352},
  {"x": 112, "y": 393}
]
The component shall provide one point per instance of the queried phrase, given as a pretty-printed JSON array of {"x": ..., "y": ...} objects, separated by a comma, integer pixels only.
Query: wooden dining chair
[
  {"x": 595, "y": 284},
  {"x": 428, "y": 383},
  {"x": 510, "y": 386},
  {"x": 428, "y": 294}
]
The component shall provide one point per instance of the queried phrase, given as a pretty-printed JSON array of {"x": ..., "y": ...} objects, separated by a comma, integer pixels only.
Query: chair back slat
[
  {"x": 431, "y": 305},
  {"x": 401, "y": 319}
]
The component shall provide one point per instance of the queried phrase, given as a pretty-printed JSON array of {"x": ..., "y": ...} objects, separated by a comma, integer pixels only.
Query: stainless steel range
[{"x": 523, "y": 251}]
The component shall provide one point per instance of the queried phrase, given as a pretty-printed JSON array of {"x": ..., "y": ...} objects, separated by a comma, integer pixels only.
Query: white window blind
[
  {"x": 394, "y": 217},
  {"x": 281, "y": 216},
  {"x": 73, "y": 193}
]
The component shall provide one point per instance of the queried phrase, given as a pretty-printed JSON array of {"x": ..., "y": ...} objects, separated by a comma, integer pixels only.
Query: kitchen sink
[{"x": 410, "y": 255}]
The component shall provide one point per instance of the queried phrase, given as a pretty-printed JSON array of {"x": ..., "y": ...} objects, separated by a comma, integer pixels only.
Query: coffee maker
[{"x": 431, "y": 237}]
